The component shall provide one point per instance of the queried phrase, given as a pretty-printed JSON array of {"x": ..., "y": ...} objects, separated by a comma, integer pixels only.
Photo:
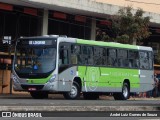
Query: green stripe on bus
[
  {"x": 109, "y": 44},
  {"x": 38, "y": 80}
]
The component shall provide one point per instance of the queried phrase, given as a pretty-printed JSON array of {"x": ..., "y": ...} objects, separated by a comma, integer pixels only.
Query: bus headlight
[
  {"x": 52, "y": 78},
  {"x": 15, "y": 79}
]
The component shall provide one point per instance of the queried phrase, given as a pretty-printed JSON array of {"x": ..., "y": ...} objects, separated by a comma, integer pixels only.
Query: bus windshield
[{"x": 35, "y": 62}]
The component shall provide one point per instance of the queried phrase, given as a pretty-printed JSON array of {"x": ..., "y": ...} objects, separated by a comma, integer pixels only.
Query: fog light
[
  {"x": 15, "y": 79},
  {"x": 52, "y": 78}
]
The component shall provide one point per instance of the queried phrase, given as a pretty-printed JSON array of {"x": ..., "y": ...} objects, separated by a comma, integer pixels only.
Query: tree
[{"x": 130, "y": 28}]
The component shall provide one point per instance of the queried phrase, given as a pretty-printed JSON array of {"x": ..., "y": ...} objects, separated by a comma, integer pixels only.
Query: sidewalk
[{"x": 144, "y": 98}]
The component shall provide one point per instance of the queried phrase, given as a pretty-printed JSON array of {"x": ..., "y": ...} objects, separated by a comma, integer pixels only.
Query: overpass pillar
[
  {"x": 45, "y": 23},
  {"x": 93, "y": 29}
]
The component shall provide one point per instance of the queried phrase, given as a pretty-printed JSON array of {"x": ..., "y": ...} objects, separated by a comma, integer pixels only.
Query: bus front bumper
[{"x": 35, "y": 87}]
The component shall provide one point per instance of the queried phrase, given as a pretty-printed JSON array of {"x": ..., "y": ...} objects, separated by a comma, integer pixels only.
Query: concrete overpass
[{"x": 95, "y": 8}]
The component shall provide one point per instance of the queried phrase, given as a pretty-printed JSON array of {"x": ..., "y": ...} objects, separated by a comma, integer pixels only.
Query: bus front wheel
[
  {"x": 124, "y": 95},
  {"x": 39, "y": 94},
  {"x": 74, "y": 93}
]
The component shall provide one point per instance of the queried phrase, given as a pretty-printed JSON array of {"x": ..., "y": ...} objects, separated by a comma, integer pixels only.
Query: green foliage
[
  {"x": 132, "y": 27},
  {"x": 105, "y": 38},
  {"x": 122, "y": 39}
]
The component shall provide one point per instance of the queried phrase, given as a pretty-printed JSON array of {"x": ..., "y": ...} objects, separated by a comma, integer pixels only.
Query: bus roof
[
  {"x": 92, "y": 42},
  {"x": 113, "y": 44},
  {"x": 40, "y": 37}
]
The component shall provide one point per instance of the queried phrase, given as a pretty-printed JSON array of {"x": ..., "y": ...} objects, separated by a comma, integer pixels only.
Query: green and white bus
[{"x": 54, "y": 64}]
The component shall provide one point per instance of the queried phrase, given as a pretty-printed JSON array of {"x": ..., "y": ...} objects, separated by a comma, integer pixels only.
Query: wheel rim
[
  {"x": 125, "y": 91},
  {"x": 73, "y": 92}
]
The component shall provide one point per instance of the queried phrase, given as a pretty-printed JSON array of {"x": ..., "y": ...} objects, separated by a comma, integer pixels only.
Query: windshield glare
[{"x": 35, "y": 60}]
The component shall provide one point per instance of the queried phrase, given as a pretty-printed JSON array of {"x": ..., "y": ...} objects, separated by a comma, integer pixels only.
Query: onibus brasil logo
[{"x": 21, "y": 114}]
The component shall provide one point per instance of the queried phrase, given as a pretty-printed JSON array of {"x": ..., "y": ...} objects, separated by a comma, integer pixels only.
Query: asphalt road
[
  {"x": 28, "y": 101},
  {"x": 58, "y": 101}
]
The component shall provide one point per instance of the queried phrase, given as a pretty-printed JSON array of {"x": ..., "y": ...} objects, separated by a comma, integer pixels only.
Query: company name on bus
[{"x": 36, "y": 42}]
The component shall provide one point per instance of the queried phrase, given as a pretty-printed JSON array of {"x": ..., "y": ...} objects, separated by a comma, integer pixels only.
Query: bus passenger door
[{"x": 65, "y": 78}]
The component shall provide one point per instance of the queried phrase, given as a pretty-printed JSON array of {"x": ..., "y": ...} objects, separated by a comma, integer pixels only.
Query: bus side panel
[
  {"x": 114, "y": 78},
  {"x": 93, "y": 81},
  {"x": 101, "y": 79},
  {"x": 146, "y": 80},
  {"x": 91, "y": 78},
  {"x": 107, "y": 79},
  {"x": 66, "y": 78}
]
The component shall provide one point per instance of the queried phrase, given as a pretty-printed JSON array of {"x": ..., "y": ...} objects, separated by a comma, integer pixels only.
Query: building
[{"x": 74, "y": 18}]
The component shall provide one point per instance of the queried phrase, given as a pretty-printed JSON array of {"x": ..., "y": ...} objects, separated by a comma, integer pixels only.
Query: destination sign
[{"x": 36, "y": 42}]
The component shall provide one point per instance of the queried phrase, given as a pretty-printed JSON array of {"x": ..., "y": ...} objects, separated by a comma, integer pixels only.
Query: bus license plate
[{"x": 31, "y": 89}]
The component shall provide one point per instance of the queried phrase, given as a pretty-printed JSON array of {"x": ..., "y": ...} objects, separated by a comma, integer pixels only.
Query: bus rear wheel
[
  {"x": 74, "y": 93},
  {"x": 124, "y": 95},
  {"x": 39, "y": 94}
]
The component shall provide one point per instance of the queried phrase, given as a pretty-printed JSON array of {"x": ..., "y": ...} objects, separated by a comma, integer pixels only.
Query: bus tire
[
  {"x": 124, "y": 95},
  {"x": 39, "y": 95},
  {"x": 74, "y": 93},
  {"x": 90, "y": 96}
]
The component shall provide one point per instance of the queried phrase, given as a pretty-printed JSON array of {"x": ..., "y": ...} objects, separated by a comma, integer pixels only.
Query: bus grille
[{"x": 38, "y": 87}]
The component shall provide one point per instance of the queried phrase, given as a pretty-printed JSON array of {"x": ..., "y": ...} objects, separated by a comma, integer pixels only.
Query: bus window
[
  {"x": 104, "y": 57},
  {"x": 150, "y": 60},
  {"x": 112, "y": 57},
  {"x": 75, "y": 54},
  {"x": 133, "y": 59},
  {"x": 84, "y": 55},
  {"x": 122, "y": 58},
  {"x": 144, "y": 62},
  {"x": 63, "y": 56},
  {"x": 98, "y": 56},
  {"x": 90, "y": 55},
  {"x": 87, "y": 55}
]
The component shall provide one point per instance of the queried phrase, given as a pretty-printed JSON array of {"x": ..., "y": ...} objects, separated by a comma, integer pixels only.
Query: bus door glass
[{"x": 64, "y": 66}]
